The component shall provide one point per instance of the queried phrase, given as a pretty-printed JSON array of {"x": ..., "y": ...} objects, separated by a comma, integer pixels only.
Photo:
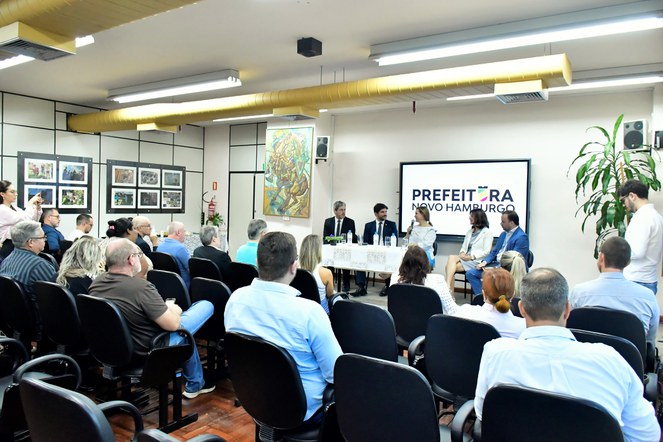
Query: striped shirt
[{"x": 26, "y": 267}]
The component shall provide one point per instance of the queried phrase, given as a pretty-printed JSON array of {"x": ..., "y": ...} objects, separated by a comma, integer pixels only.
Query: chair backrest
[
  {"x": 105, "y": 330},
  {"x": 266, "y": 381},
  {"x": 170, "y": 285},
  {"x": 59, "y": 315},
  {"x": 17, "y": 310},
  {"x": 204, "y": 268},
  {"x": 545, "y": 417},
  {"x": 515, "y": 302},
  {"x": 164, "y": 261},
  {"x": 364, "y": 329},
  {"x": 383, "y": 401},
  {"x": 611, "y": 322},
  {"x": 60, "y": 414},
  {"x": 51, "y": 259},
  {"x": 530, "y": 259},
  {"x": 240, "y": 275},
  {"x": 453, "y": 352},
  {"x": 304, "y": 281},
  {"x": 623, "y": 346},
  {"x": 411, "y": 306},
  {"x": 65, "y": 245},
  {"x": 218, "y": 294}
]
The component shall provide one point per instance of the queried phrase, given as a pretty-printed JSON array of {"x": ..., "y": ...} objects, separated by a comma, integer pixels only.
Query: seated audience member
[
  {"x": 211, "y": 249},
  {"x": 612, "y": 290},
  {"x": 270, "y": 309},
  {"x": 24, "y": 265},
  {"x": 476, "y": 246},
  {"x": 513, "y": 238},
  {"x": 146, "y": 240},
  {"x": 50, "y": 223},
  {"x": 10, "y": 214},
  {"x": 84, "y": 224},
  {"x": 548, "y": 357},
  {"x": 310, "y": 256},
  {"x": 123, "y": 228},
  {"x": 174, "y": 246},
  {"x": 422, "y": 233},
  {"x": 146, "y": 312},
  {"x": 514, "y": 263},
  {"x": 80, "y": 265},
  {"x": 248, "y": 252},
  {"x": 415, "y": 269},
  {"x": 498, "y": 289}
]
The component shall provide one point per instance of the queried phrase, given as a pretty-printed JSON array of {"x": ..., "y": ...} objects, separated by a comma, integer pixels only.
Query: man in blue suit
[{"x": 513, "y": 238}]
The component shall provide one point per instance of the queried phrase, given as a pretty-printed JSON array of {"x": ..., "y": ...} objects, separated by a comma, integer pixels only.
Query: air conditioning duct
[
  {"x": 521, "y": 92},
  {"x": 21, "y": 39}
]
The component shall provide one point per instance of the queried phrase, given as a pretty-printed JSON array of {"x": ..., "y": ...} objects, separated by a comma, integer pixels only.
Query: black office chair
[
  {"x": 411, "y": 306},
  {"x": 364, "y": 329},
  {"x": 305, "y": 282},
  {"x": 170, "y": 285},
  {"x": 267, "y": 383},
  {"x": 65, "y": 245},
  {"x": 204, "y": 268},
  {"x": 515, "y": 309},
  {"x": 51, "y": 259},
  {"x": 57, "y": 307},
  {"x": 78, "y": 418},
  {"x": 107, "y": 333},
  {"x": 517, "y": 414},
  {"x": 460, "y": 276},
  {"x": 18, "y": 311},
  {"x": 240, "y": 275},
  {"x": 214, "y": 330},
  {"x": 452, "y": 364},
  {"x": 379, "y": 400},
  {"x": 164, "y": 261}
]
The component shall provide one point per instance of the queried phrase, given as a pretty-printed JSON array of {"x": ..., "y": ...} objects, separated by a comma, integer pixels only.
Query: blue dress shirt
[{"x": 177, "y": 250}]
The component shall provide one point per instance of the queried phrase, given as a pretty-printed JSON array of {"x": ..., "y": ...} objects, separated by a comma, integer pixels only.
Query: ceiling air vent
[
  {"x": 521, "y": 92},
  {"x": 21, "y": 39},
  {"x": 296, "y": 113}
]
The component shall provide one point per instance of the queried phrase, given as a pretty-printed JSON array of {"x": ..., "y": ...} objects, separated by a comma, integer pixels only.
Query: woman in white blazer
[{"x": 477, "y": 244}]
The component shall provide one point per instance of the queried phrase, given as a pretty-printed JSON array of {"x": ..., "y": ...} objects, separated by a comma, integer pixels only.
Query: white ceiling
[{"x": 258, "y": 38}]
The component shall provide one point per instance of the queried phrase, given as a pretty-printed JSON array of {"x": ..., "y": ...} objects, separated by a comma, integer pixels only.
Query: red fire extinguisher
[{"x": 211, "y": 208}]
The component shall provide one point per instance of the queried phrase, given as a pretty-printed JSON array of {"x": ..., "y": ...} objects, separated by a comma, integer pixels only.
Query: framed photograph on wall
[
  {"x": 47, "y": 194},
  {"x": 149, "y": 177},
  {"x": 171, "y": 199},
  {"x": 72, "y": 173},
  {"x": 123, "y": 198},
  {"x": 40, "y": 170},
  {"x": 148, "y": 199},
  {"x": 72, "y": 197},
  {"x": 123, "y": 176},
  {"x": 172, "y": 179}
]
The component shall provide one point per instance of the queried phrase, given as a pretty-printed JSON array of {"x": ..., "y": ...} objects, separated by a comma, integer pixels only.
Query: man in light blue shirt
[
  {"x": 612, "y": 290},
  {"x": 249, "y": 251},
  {"x": 174, "y": 246},
  {"x": 270, "y": 309},
  {"x": 547, "y": 357}
]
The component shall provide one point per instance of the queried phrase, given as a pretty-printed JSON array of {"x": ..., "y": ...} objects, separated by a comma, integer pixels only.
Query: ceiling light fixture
[
  {"x": 179, "y": 86},
  {"x": 248, "y": 117},
  {"x": 632, "y": 17}
]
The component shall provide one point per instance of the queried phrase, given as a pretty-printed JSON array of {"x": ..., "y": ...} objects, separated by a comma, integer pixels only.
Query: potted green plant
[
  {"x": 601, "y": 170},
  {"x": 215, "y": 220}
]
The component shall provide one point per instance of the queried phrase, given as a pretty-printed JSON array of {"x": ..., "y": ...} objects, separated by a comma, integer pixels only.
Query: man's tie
[
  {"x": 338, "y": 228},
  {"x": 380, "y": 230}
]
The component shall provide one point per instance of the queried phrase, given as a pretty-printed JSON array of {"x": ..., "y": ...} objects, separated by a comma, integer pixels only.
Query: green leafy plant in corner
[{"x": 601, "y": 171}]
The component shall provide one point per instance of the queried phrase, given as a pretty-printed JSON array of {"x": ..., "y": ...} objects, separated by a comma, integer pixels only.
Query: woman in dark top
[{"x": 80, "y": 265}]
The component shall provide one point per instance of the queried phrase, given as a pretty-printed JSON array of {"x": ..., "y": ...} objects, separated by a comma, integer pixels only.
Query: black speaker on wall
[
  {"x": 322, "y": 149},
  {"x": 635, "y": 134}
]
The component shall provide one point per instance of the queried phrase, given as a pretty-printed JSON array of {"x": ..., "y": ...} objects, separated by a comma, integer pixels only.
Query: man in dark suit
[
  {"x": 384, "y": 228},
  {"x": 340, "y": 225},
  {"x": 211, "y": 249},
  {"x": 513, "y": 238}
]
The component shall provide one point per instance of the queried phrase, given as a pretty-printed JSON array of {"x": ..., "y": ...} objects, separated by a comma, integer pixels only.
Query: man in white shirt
[
  {"x": 84, "y": 224},
  {"x": 644, "y": 234},
  {"x": 547, "y": 357}
]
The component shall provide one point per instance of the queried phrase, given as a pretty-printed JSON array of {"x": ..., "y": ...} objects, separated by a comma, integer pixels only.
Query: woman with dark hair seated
[
  {"x": 80, "y": 265},
  {"x": 477, "y": 244},
  {"x": 123, "y": 228}
]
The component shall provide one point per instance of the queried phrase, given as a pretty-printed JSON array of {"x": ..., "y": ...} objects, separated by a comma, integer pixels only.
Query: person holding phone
[{"x": 10, "y": 215}]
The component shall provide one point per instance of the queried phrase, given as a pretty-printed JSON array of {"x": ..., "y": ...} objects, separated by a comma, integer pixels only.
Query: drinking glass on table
[{"x": 359, "y": 239}]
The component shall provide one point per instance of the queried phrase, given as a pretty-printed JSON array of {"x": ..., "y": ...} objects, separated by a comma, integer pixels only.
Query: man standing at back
[
  {"x": 548, "y": 357},
  {"x": 612, "y": 290},
  {"x": 644, "y": 234},
  {"x": 340, "y": 225},
  {"x": 270, "y": 309},
  {"x": 248, "y": 253},
  {"x": 174, "y": 246}
]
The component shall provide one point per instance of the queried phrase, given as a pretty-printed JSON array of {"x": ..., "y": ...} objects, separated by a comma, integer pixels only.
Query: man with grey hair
[
  {"x": 174, "y": 246},
  {"x": 548, "y": 357},
  {"x": 340, "y": 225},
  {"x": 248, "y": 253},
  {"x": 24, "y": 264},
  {"x": 146, "y": 312},
  {"x": 146, "y": 240},
  {"x": 211, "y": 249}
]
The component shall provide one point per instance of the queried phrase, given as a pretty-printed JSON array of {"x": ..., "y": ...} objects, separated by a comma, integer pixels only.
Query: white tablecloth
[{"x": 368, "y": 258}]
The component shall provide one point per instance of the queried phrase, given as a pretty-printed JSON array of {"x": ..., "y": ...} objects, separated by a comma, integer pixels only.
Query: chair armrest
[
  {"x": 207, "y": 438},
  {"x": 161, "y": 340},
  {"x": 33, "y": 364},
  {"x": 650, "y": 363},
  {"x": 17, "y": 349},
  {"x": 111, "y": 407},
  {"x": 651, "y": 387},
  {"x": 416, "y": 348},
  {"x": 154, "y": 435},
  {"x": 465, "y": 413}
]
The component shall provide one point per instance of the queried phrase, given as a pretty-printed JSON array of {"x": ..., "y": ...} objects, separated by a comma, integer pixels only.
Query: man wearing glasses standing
[{"x": 53, "y": 236}]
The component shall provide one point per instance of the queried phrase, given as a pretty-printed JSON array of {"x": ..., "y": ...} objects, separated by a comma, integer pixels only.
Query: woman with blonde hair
[
  {"x": 80, "y": 265},
  {"x": 476, "y": 246},
  {"x": 423, "y": 234},
  {"x": 514, "y": 263},
  {"x": 310, "y": 255}
]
